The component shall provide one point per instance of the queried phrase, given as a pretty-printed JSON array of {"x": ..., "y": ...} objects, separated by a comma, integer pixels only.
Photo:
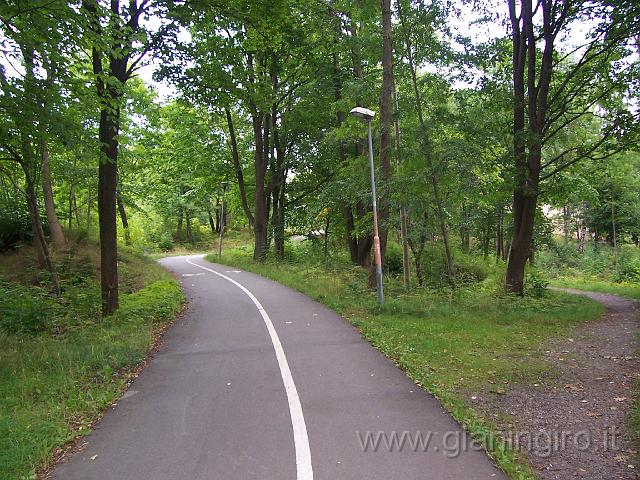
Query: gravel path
[{"x": 572, "y": 425}]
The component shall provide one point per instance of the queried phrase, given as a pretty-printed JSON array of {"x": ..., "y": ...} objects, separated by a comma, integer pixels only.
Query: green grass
[
  {"x": 456, "y": 344},
  {"x": 57, "y": 378},
  {"x": 231, "y": 239},
  {"x": 629, "y": 290}
]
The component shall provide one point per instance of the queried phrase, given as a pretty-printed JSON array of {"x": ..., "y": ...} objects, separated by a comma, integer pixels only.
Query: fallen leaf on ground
[{"x": 573, "y": 388}]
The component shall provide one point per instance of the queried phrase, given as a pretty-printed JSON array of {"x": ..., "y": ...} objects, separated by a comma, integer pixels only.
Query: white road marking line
[{"x": 300, "y": 438}]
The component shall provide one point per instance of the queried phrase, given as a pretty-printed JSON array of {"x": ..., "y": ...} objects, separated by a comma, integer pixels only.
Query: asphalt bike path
[{"x": 257, "y": 381}]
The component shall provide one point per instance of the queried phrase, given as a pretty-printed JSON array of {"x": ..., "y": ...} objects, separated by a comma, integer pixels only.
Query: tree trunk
[
  {"x": 524, "y": 212},
  {"x": 212, "y": 222},
  {"x": 531, "y": 81},
  {"x": 565, "y": 223},
  {"x": 88, "y": 212},
  {"x": 123, "y": 219},
  {"x": 419, "y": 272},
  {"x": 278, "y": 219},
  {"x": 615, "y": 239},
  {"x": 187, "y": 221},
  {"x": 278, "y": 181},
  {"x": 404, "y": 221},
  {"x": 385, "y": 123},
  {"x": 465, "y": 239},
  {"x": 179, "y": 225},
  {"x": 238, "y": 168},
  {"x": 57, "y": 235},
  {"x": 75, "y": 209},
  {"x": 501, "y": 248},
  {"x": 42, "y": 249},
  {"x": 417, "y": 257},
  {"x": 107, "y": 183},
  {"x": 70, "y": 210},
  {"x": 260, "y": 201},
  {"x": 486, "y": 238},
  {"x": 364, "y": 241},
  {"x": 112, "y": 63}
]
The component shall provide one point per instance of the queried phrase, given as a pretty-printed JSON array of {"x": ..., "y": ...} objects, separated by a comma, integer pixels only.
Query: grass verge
[
  {"x": 457, "y": 344},
  {"x": 61, "y": 365},
  {"x": 629, "y": 290}
]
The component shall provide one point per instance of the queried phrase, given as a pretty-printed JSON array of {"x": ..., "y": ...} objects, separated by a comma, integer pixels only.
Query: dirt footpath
[{"x": 573, "y": 425}]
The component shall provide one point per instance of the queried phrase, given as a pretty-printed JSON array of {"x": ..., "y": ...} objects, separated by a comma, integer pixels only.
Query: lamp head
[{"x": 363, "y": 113}]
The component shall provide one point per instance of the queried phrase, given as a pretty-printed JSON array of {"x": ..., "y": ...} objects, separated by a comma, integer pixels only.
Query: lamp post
[
  {"x": 221, "y": 222},
  {"x": 367, "y": 115}
]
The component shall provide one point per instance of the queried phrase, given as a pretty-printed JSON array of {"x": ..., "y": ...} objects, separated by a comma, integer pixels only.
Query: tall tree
[
  {"x": 551, "y": 91},
  {"x": 118, "y": 45},
  {"x": 386, "y": 119},
  {"x": 36, "y": 43},
  {"x": 426, "y": 142}
]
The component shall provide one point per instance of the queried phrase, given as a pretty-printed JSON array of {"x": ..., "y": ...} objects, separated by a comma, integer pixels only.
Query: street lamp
[
  {"x": 367, "y": 115},
  {"x": 221, "y": 222}
]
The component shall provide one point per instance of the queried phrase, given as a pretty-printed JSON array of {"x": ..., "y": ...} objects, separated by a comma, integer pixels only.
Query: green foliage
[
  {"x": 57, "y": 380},
  {"x": 468, "y": 268},
  {"x": 15, "y": 227},
  {"x": 536, "y": 284},
  {"x": 471, "y": 269},
  {"x": 599, "y": 261},
  {"x": 24, "y": 310},
  {"x": 393, "y": 259},
  {"x": 165, "y": 242},
  {"x": 628, "y": 265},
  {"x": 156, "y": 303},
  {"x": 287, "y": 72}
]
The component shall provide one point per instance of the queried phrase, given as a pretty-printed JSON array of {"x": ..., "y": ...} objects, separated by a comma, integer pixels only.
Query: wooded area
[
  {"x": 506, "y": 154},
  {"x": 473, "y": 137}
]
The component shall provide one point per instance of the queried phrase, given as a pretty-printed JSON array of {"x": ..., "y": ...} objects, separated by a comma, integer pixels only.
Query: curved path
[
  {"x": 578, "y": 412},
  {"x": 257, "y": 381}
]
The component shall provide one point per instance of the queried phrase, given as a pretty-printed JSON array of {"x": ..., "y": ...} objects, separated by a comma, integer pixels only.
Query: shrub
[
  {"x": 165, "y": 242},
  {"x": 24, "y": 310},
  {"x": 15, "y": 228},
  {"x": 628, "y": 265},
  {"x": 597, "y": 262},
  {"x": 81, "y": 302},
  {"x": 75, "y": 270},
  {"x": 434, "y": 266},
  {"x": 156, "y": 302},
  {"x": 535, "y": 284},
  {"x": 393, "y": 259},
  {"x": 469, "y": 269}
]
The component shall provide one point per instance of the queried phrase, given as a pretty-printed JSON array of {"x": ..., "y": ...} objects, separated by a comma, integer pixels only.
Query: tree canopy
[{"x": 477, "y": 138}]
